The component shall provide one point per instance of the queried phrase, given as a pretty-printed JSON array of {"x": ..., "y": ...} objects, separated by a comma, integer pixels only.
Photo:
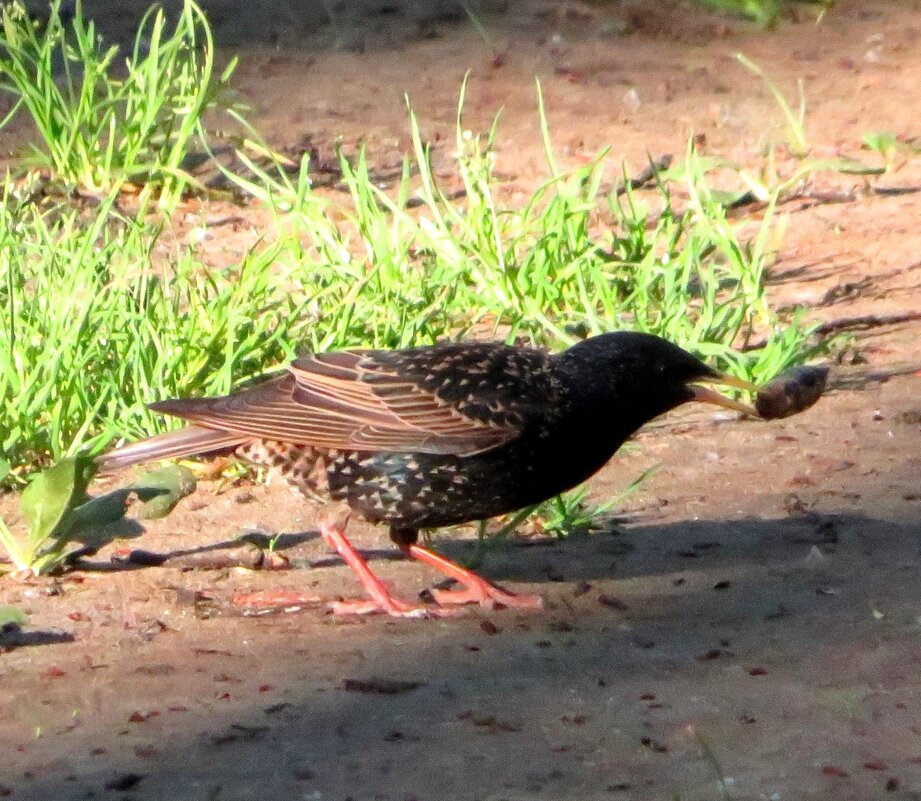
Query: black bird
[{"x": 440, "y": 435}]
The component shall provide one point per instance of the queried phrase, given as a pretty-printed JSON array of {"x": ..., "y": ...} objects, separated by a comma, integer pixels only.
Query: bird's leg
[
  {"x": 477, "y": 590},
  {"x": 381, "y": 600}
]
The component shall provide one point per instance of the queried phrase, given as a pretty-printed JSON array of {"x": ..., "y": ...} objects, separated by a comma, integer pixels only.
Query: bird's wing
[{"x": 427, "y": 400}]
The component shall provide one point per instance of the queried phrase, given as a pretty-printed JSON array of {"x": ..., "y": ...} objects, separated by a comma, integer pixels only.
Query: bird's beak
[{"x": 707, "y": 395}]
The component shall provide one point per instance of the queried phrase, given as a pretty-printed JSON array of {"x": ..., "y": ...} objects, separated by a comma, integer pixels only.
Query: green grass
[
  {"x": 765, "y": 12},
  {"x": 90, "y": 328},
  {"x": 798, "y": 142},
  {"x": 890, "y": 147},
  {"x": 778, "y": 177},
  {"x": 95, "y": 321},
  {"x": 104, "y": 119}
]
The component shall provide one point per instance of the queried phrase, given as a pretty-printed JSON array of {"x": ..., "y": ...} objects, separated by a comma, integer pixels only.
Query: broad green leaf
[
  {"x": 96, "y": 512},
  {"x": 47, "y": 498},
  {"x": 19, "y": 556},
  {"x": 5, "y": 469},
  {"x": 10, "y": 614},
  {"x": 160, "y": 490},
  {"x": 84, "y": 470},
  {"x": 725, "y": 198}
]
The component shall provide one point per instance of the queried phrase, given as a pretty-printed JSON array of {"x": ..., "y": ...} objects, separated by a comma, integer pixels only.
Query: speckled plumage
[{"x": 440, "y": 435}]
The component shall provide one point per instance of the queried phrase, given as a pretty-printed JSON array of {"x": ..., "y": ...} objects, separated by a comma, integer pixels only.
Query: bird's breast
[
  {"x": 422, "y": 490},
  {"x": 431, "y": 490}
]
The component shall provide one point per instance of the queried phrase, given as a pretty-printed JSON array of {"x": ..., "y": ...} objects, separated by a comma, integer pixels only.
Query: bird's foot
[
  {"x": 488, "y": 596},
  {"x": 476, "y": 589},
  {"x": 380, "y": 600}
]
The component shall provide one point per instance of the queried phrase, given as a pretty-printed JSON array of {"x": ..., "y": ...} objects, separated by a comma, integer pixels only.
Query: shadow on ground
[{"x": 668, "y": 656}]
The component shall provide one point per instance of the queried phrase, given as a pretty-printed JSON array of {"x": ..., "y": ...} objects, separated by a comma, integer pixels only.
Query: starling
[{"x": 441, "y": 435}]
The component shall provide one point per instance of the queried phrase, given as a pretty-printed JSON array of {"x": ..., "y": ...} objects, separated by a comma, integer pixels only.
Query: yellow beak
[{"x": 707, "y": 395}]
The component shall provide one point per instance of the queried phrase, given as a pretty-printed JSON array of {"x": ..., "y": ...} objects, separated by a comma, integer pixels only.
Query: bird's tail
[{"x": 189, "y": 441}]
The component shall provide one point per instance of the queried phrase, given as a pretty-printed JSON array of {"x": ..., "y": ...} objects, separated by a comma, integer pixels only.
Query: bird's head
[{"x": 645, "y": 376}]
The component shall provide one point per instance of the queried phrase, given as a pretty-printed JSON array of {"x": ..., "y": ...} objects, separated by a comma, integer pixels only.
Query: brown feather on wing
[{"x": 349, "y": 401}]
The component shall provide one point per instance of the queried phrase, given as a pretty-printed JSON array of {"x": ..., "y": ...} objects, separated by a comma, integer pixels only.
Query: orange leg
[
  {"x": 477, "y": 590},
  {"x": 381, "y": 600}
]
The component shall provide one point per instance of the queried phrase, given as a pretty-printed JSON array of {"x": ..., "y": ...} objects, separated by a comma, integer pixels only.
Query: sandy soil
[{"x": 752, "y": 632}]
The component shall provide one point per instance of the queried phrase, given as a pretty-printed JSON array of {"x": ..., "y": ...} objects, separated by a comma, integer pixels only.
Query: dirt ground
[{"x": 752, "y": 631}]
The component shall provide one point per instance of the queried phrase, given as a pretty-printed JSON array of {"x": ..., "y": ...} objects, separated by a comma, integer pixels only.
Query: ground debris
[
  {"x": 124, "y": 782},
  {"x": 247, "y": 555},
  {"x": 489, "y": 722},
  {"x": 381, "y": 686}
]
